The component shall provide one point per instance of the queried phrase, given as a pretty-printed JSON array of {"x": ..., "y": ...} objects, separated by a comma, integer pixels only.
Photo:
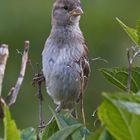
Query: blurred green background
[{"x": 31, "y": 20}]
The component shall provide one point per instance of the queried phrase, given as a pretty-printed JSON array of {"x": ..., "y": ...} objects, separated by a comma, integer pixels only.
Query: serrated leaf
[
  {"x": 28, "y": 134},
  {"x": 10, "y": 129},
  {"x": 65, "y": 120},
  {"x": 65, "y": 132},
  {"x": 119, "y": 77},
  {"x": 51, "y": 129},
  {"x": 101, "y": 134},
  {"x": 120, "y": 113},
  {"x": 130, "y": 31}
]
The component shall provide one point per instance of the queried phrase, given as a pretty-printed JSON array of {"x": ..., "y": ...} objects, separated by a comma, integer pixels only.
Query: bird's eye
[{"x": 66, "y": 7}]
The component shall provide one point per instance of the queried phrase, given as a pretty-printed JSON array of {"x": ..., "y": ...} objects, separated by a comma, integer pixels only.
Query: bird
[{"x": 65, "y": 56}]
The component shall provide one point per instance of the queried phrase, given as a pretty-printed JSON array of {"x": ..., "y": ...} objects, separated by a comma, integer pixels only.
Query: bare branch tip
[
  {"x": 3, "y": 46},
  {"x": 27, "y": 44}
]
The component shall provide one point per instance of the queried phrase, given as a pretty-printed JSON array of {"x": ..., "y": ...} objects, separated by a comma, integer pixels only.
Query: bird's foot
[
  {"x": 38, "y": 78},
  {"x": 57, "y": 110},
  {"x": 42, "y": 125},
  {"x": 50, "y": 121}
]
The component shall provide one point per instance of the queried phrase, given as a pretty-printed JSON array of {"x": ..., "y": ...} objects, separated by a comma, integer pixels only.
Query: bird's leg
[
  {"x": 74, "y": 113},
  {"x": 57, "y": 110}
]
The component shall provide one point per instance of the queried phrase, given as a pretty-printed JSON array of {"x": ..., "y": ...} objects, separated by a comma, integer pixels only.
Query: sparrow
[{"x": 65, "y": 56}]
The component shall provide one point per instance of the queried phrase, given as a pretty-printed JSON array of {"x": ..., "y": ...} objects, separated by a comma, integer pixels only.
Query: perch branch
[
  {"x": 4, "y": 53},
  {"x": 38, "y": 78},
  {"x": 40, "y": 97},
  {"x": 15, "y": 92},
  {"x": 132, "y": 53}
]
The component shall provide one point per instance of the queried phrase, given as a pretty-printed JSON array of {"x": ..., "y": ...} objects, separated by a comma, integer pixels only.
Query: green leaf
[
  {"x": 119, "y": 77},
  {"x": 65, "y": 132},
  {"x": 51, "y": 129},
  {"x": 60, "y": 122},
  {"x": 101, "y": 134},
  {"x": 65, "y": 120},
  {"x": 10, "y": 129},
  {"x": 120, "y": 113},
  {"x": 28, "y": 134},
  {"x": 130, "y": 31}
]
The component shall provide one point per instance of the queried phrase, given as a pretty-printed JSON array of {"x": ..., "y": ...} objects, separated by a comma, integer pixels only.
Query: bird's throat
[{"x": 66, "y": 32}]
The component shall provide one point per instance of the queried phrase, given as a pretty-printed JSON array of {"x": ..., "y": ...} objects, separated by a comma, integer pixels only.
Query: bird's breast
[{"x": 61, "y": 69}]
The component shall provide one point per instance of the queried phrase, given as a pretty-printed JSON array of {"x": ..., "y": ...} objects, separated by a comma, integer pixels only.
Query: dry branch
[
  {"x": 15, "y": 92},
  {"x": 4, "y": 53}
]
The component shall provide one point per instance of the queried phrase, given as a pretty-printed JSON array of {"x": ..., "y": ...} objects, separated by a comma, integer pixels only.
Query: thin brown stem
[
  {"x": 82, "y": 110},
  {"x": 132, "y": 53},
  {"x": 82, "y": 95},
  {"x": 40, "y": 99},
  {"x": 129, "y": 72}
]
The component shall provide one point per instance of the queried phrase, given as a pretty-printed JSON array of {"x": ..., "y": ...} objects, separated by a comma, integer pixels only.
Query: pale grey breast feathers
[{"x": 65, "y": 66}]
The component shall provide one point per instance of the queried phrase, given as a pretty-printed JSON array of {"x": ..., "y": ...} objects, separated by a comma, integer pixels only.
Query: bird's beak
[{"x": 76, "y": 12}]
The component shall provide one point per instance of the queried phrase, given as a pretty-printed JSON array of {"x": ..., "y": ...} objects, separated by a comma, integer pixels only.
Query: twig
[
  {"x": 132, "y": 53},
  {"x": 129, "y": 72},
  {"x": 38, "y": 79},
  {"x": 82, "y": 95},
  {"x": 100, "y": 59},
  {"x": 4, "y": 53},
  {"x": 21, "y": 75},
  {"x": 32, "y": 67},
  {"x": 40, "y": 97}
]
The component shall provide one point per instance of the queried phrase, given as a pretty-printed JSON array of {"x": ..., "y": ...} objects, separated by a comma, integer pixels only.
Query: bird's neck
[{"x": 66, "y": 32}]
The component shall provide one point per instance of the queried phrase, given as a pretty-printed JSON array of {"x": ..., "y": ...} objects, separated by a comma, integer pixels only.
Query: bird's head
[{"x": 66, "y": 12}]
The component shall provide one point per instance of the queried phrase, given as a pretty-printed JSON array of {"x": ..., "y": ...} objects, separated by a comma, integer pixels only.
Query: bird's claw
[{"x": 38, "y": 78}]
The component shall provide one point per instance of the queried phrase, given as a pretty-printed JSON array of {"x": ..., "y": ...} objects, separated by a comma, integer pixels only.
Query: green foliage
[
  {"x": 120, "y": 113},
  {"x": 62, "y": 128},
  {"x": 61, "y": 124},
  {"x": 133, "y": 34},
  {"x": 28, "y": 134},
  {"x": 119, "y": 77},
  {"x": 100, "y": 134},
  {"x": 50, "y": 130},
  {"x": 65, "y": 132},
  {"x": 10, "y": 129}
]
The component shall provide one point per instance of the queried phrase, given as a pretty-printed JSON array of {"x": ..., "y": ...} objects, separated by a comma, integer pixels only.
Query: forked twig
[
  {"x": 21, "y": 74},
  {"x": 132, "y": 53}
]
